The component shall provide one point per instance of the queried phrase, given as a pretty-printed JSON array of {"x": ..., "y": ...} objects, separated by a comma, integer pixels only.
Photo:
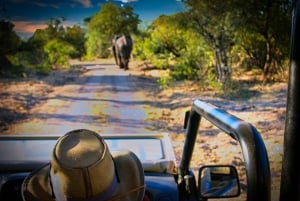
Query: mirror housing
[{"x": 218, "y": 181}]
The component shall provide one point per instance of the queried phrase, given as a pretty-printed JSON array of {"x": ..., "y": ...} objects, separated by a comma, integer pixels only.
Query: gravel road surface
[{"x": 105, "y": 99}]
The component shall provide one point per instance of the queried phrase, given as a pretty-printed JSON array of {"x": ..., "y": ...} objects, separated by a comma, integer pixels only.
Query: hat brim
[{"x": 131, "y": 184}]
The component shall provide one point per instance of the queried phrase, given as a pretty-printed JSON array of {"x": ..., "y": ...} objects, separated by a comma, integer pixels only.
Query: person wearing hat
[{"x": 82, "y": 168}]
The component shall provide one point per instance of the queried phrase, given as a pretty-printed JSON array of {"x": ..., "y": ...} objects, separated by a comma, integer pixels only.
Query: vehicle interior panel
[{"x": 19, "y": 157}]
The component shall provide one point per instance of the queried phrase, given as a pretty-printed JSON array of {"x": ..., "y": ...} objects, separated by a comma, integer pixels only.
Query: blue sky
[{"x": 29, "y": 15}]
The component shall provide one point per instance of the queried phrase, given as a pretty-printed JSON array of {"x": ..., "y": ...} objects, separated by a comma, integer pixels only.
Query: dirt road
[{"x": 105, "y": 99}]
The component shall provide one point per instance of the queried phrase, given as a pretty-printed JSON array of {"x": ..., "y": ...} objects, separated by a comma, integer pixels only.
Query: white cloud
[
  {"x": 31, "y": 26},
  {"x": 53, "y": 3},
  {"x": 126, "y": 1},
  {"x": 85, "y": 3},
  {"x": 28, "y": 26},
  {"x": 36, "y": 2}
]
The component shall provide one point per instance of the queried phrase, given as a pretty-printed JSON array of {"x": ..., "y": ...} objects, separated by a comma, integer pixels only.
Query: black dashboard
[{"x": 159, "y": 187}]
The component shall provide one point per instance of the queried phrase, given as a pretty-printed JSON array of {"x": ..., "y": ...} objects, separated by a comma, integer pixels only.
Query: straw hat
[{"x": 82, "y": 168}]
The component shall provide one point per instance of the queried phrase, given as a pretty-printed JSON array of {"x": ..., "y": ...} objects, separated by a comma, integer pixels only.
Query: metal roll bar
[{"x": 252, "y": 145}]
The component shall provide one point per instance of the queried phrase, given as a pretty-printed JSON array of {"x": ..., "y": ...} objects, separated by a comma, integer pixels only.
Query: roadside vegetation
[{"x": 207, "y": 43}]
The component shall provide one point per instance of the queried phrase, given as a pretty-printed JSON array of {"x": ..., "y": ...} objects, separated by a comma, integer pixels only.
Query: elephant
[{"x": 122, "y": 47}]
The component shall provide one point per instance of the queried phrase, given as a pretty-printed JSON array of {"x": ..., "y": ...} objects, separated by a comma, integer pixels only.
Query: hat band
[{"x": 57, "y": 193}]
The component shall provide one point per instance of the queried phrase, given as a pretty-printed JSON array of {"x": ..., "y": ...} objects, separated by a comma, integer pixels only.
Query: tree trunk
[
  {"x": 222, "y": 69},
  {"x": 268, "y": 61}
]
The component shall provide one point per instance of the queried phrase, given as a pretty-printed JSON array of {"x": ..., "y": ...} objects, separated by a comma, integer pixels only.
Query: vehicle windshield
[{"x": 64, "y": 67}]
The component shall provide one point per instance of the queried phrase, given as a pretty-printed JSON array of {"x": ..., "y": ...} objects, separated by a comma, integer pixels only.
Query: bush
[{"x": 58, "y": 54}]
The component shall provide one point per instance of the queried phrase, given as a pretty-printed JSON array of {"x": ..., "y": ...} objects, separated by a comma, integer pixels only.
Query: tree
[
  {"x": 109, "y": 21},
  {"x": 75, "y": 36},
  {"x": 213, "y": 21},
  {"x": 54, "y": 30},
  {"x": 9, "y": 44},
  {"x": 52, "y": 45},
  {"x": 168, "y": 32},
  {"x": 9, "y": 40},
  {"x": 171, "y": 43},
  {"x": 264, "y": 32}
]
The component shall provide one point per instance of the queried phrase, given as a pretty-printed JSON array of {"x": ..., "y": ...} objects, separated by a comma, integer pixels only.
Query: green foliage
[
  {"x": 109, "y": 21},
  {"x": 167, "y": 31},
  {"x": 251, "y": 35},
  {"x": 58, "y": 53},
  {"x": 97, "y": 45},
  {"x": 253, "y": 54},
  {"x": 195, "y": 60},
  {"x": 270, "y": 23},
  {"x": 162, "y": 42},
  {"x": 48, "y": 48},
  {"x": 214, "y": 21},
  {"x": 218, "y": 34},
  {"x": 165, "y": 81},
  {"x": 38, "y": 39},
  {"x": 172, "y": 44},
  {"x": 75, "y": 36},
  {"x": 149, "y": 49},
  {"x": 54, "y": 30},
  {"x": 141, "y": 41},
  {"x": 51, "y": 47}
]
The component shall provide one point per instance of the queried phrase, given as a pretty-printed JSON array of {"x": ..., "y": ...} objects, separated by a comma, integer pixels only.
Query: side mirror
[{"x": 218, "y": 181}]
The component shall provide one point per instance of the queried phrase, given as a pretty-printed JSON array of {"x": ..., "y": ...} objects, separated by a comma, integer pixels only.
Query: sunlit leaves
[
  {"x": 75, "y": 36},
  {"x": 51, "y": 47},
  {"x": 173, "y": 44},
  {"x": 58, "y": 53}
]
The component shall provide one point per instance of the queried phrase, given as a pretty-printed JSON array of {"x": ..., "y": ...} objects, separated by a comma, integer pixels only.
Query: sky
[{"x": 29, "y": 15}]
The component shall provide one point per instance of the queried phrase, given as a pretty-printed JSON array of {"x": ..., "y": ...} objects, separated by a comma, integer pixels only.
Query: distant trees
[
  {"x": 56, "y": 44},
  {"x": 52, "y": 47},
  {"x": 47, "y": 49}
]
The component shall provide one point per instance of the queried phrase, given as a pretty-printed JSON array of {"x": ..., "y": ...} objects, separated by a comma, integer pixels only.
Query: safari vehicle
[
  {"x": 164, "y": 179},
  {"x": 21, "y": 155}
]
